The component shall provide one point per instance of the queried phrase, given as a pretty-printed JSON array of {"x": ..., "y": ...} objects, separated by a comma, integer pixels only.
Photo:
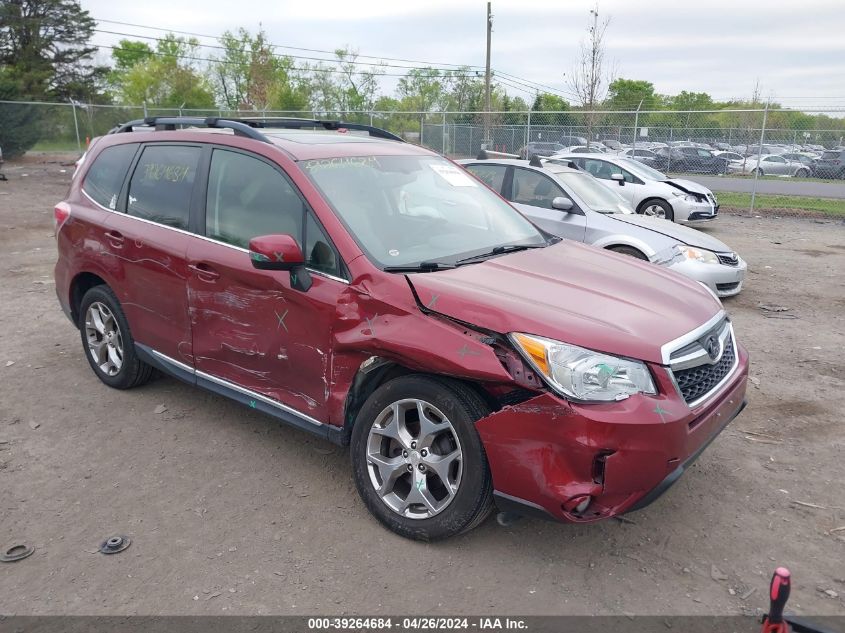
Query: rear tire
[
  {"x": 657, "y": 208},
  {"x": 107, "y": 341},
  {"x": 802, "y": 173},
  {"x": 410, "y": 431},
  {"x": 628, "y": 250},
  {"x": 757, "y": 172}
]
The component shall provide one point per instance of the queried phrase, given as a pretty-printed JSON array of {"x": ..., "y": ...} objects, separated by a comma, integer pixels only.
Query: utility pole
[{"x": 487, "y": 140}]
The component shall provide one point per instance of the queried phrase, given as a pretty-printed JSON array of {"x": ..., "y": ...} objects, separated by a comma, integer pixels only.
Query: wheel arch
[
  {"x": 613, "y": 241},
  {"x": 82, "y": 283},
  {"x": 645, "y": 202},
  {"x": 376, "y": 371}
]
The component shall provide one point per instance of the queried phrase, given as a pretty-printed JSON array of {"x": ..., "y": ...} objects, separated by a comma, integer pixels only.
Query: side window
[
  {"x": 105, "y": 177},
  {"x": 531, "y": 187},
  {"x": 161, "y": 186},
  {"x": 704, "y": 153},
  {"x": 319, "y": 252},
  {"x": 491, "y": 175},
  {"x": 247, "y": 198}
]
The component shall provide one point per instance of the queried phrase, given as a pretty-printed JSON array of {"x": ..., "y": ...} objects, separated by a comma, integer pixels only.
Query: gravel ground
[{"x": 230, "y": 513}]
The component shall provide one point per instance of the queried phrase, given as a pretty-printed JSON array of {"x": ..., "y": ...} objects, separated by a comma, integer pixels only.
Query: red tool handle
[
  {"x": 778, "y": 594},
  {"x": 773, "y": 621}
]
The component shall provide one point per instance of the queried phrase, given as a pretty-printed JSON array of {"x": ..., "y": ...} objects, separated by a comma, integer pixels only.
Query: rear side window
[
  {"x": 161, "y": 186},
  {"x": 247, "y": 198},
  {"x": 491, "y": 175},
  {"x": 105, "y": 177}
]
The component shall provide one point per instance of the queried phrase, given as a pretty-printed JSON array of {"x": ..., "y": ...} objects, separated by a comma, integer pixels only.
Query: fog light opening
[{"x": 578, "y": 505}]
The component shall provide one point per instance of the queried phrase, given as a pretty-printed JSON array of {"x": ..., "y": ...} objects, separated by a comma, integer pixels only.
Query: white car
[{"x": 647, "y": 190}]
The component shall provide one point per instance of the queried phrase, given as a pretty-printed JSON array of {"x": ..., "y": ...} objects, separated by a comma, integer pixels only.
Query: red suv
[{"x": 374, "y": 293}]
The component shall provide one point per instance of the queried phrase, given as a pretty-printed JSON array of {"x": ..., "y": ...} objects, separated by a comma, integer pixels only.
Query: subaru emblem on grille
[{"x": 711, "y": 344}]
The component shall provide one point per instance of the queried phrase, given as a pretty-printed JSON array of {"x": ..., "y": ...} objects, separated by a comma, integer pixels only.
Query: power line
[
  {"x": 212, "y": 60},
  {"x": 428, "y": 64}
]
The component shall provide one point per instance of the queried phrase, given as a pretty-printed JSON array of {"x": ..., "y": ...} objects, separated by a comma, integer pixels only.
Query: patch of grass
[
  {"x": 54, "y": 146},
  {"x": 766, "y": 202}
]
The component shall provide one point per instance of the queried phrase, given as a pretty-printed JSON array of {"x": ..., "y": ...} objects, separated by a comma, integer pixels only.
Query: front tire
[
  {"x": 417, "y": 460},
  {"x": 629, "y": 250},
  {"x": 657, "y": 208},
  {"x": 107, "y": 341}
]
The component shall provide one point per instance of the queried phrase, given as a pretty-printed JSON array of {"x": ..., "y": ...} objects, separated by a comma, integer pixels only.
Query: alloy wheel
[
  {"x": 414, "y": 459},
  {"x": 655, "y": 210},
  {"x": 105, "y": 342}
]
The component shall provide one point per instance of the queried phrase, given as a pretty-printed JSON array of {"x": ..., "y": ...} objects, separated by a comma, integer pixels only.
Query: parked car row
[
  {"x": 381, "y": 297},
  {"x": 681, "y": 156}
]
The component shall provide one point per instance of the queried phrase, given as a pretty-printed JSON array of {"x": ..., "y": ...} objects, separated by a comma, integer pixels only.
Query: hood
[
  {"x": 573, "y": 293},
  {"x": 688, "y": 186},
  {"x": 683, "y": 234}
]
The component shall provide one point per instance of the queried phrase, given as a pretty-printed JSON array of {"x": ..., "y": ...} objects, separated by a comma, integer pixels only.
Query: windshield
[
  {"x": 643, "y": 171},
  {"x": 404, "y": 210},
  {"x": 593, "y": 193}
]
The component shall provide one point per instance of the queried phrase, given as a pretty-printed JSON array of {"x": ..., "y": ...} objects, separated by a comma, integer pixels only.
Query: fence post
[
  {"x": 422, "y": 123},
  {"x": 145, "y": 108},
  {"x": 443, "y": 135},
  {"x": 528, "y": 131},
  {"x": 669, "y": 150},
  {"x": 371, "y": 118},
  {"x": 76, "y": 125},
  {"x": 759, "y": 156},
  {"x": 636, "y": 126}
]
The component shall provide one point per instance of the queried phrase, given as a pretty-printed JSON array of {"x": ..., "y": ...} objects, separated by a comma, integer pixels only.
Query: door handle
[
  {"x": 204, "y": 271},
  {"x": 115, "y": 238}
]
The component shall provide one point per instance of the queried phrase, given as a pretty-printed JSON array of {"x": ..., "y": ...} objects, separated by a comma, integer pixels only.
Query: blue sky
[{"x": 795, "y": 50}]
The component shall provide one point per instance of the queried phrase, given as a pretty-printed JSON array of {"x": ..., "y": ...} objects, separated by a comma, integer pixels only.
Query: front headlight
[
  {"x": 698, "y": 254},
  {"x": 582, "y": 374},
  {"x": 686, "y": 197}
]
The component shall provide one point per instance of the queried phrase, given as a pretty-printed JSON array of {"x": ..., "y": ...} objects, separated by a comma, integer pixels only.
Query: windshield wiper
[
  {"x": 499, "y": 250},
  {"x": 422, "y": 267}
]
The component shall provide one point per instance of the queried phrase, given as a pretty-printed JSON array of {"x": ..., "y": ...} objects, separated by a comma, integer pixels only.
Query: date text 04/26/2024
[{"x": 416, "y": 624}]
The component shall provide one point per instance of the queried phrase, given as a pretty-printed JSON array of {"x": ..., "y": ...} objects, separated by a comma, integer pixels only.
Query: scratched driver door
[{"x": 250, "y": 328}]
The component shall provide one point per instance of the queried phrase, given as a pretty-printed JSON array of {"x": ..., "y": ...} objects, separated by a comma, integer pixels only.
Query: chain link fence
[{"x": 752, "y": 143}]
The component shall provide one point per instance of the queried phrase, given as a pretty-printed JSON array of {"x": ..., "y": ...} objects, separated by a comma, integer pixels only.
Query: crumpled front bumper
[{"x": 546, "y": 454}]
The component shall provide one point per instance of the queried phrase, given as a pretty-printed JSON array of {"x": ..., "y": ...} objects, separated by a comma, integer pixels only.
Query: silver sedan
[
  {"x": 571, "y": 203},
  {"x": 769, "y": 165}
]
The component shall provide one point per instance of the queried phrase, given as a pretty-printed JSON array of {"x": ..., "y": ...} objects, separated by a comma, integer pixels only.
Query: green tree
[
  {"x": 249, "y": 76},
  {"x": 44, "y": 47},
  {"x": 423, "y": 90},
  {"x": 19, "y": 124},
  {"x": 626, "y": 94},
  {"x": 128, "y": 53},
  {"x": 547, "y": 102},
  {"x": 691, "y": 101},
  {"x": 170, "y": 78}
]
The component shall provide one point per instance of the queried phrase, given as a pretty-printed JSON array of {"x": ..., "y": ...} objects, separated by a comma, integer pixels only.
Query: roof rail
[
  {"x": 487, "y": 154},
  {"x": 249, "y": 126},
  {"x": 566, "y": 162},
  {"x": 298, "y": 124},
  {"x": 171, "y": 123}
]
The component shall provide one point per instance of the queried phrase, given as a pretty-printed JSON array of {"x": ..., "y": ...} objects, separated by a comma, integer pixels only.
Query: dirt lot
[{"x": 229, "y": 512}]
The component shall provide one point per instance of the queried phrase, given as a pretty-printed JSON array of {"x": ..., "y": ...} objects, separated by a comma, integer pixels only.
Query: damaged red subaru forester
[{"x": 374, "y": 293}]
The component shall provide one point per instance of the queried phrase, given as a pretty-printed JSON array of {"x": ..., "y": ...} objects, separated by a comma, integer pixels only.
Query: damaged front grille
[{"x": 696, "y": 382}]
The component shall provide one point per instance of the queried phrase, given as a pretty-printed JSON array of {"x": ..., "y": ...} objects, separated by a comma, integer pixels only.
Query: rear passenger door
[
  {"x": 252, "y": 332},
  {"x": 148, "y": 241}
]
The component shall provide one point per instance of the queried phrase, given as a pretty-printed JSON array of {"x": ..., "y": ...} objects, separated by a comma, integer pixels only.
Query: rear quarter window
[
  {"x": 162, "y": 184},
  {"x": 105, "y": 176}
]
